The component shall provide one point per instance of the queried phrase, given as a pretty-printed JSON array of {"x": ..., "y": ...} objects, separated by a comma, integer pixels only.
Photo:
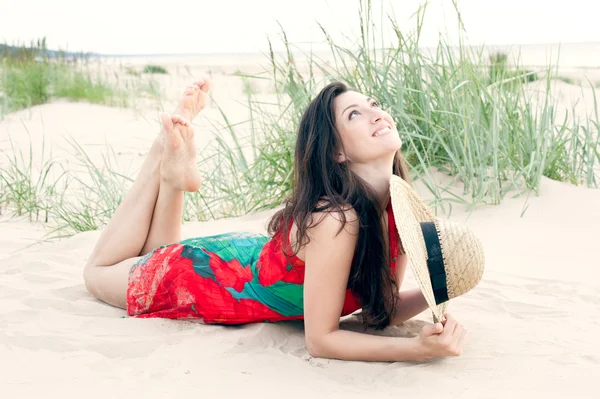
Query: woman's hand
[{"x": 442, "y": 339}]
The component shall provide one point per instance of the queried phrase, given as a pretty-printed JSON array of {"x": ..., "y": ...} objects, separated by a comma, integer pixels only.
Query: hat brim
[{"x": 409, "y": 211}]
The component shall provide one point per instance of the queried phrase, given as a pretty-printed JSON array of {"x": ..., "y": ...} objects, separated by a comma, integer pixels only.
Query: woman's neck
[{"x": 378, "y": 176}]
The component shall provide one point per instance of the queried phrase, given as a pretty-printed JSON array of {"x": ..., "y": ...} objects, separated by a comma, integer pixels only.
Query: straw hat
[{"x": 446, "y": 257}]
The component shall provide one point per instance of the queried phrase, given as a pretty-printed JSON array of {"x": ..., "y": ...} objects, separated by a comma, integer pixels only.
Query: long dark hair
[{"x": 318, "y": 176}]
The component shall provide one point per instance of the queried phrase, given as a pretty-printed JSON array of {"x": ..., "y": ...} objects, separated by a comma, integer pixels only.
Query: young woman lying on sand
[{"x": 346, "y": 152}]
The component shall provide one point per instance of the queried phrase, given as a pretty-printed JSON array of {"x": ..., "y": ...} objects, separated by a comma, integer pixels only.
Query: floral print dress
[{"x": 230, "y": 278}]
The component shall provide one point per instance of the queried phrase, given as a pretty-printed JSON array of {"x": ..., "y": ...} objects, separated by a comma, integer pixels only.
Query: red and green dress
[{"x": 230, "y": 278}]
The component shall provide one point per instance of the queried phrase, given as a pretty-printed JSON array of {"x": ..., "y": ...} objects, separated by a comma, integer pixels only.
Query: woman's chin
[{"x": 395, "y": 145}]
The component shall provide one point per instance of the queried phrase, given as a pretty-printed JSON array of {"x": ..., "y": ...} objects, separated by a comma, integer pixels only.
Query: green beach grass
[
  {"x": 150, "y": 68},
  {"x": 32, "y": 75},
  {"x": 458, "y": 111}
]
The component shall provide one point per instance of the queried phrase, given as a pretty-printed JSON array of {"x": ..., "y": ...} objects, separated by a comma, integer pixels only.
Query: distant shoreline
[
  {"x": 249, "y": 53},
  {"x": 566, "y": 55},
  {"x": 584, "y": 55}
]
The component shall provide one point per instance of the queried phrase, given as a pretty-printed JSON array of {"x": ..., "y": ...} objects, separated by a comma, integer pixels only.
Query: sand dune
[{"x": 532, "y": 321}]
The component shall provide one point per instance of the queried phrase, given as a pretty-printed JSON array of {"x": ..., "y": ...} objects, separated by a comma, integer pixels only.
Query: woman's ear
[{"x": 341, "y": 157}]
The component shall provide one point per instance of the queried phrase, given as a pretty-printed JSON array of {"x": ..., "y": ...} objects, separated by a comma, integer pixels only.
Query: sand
[{"x": 533, "y": 321}]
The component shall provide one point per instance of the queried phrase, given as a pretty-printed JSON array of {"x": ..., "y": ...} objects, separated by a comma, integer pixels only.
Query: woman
[{"x": 333, "y": 248}]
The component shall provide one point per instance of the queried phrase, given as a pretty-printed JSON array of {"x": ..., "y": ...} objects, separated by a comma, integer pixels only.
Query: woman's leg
[
  {"x": 120, "y": 243},
  {"x": 178, "y": 172},
  {"x": 150, "y": 213}
]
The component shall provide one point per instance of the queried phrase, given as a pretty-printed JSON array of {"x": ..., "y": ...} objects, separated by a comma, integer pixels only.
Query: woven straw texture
[
  {"x": 461, "y": 250},
  {"x": 463, "y": 256}
]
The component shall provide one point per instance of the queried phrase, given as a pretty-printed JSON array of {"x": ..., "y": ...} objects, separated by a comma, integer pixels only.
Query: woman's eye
[{"x": 373, "y": 104}]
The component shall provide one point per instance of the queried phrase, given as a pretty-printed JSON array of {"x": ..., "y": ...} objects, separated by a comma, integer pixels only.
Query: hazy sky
[{"x": 215, "y": 26}]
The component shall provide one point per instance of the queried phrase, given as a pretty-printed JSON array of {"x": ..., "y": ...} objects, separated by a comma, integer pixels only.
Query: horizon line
[{"x": 324, "y": 50}]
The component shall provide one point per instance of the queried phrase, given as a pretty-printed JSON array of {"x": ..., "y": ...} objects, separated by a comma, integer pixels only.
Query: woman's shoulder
[
  {"x": 324, "y": 224},
  {"x": 328, "y": 218},
  {"x": 326, "y": 205}
]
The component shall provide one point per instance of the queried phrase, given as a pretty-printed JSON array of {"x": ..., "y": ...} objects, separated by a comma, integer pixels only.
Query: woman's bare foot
[
  {"x": 178, "y": 165},
  {"x": 194, "y": 100}
]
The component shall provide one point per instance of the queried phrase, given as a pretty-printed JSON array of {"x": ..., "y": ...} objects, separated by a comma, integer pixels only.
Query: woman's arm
[
  {"x": 409, "y": 304},
  {"x": 350, "y": 345},
  {"x": 328, "y": 257}
]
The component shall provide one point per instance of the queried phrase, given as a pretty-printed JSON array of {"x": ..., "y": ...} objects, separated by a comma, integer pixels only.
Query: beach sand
[{"x": 533, "y": 322}]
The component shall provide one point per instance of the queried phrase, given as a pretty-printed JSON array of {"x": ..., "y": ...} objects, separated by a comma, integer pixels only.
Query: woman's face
[{"x": 368, "y": 132}]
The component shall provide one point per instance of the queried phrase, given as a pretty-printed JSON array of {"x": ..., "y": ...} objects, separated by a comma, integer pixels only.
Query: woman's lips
[{"x": 382, "y": 131}]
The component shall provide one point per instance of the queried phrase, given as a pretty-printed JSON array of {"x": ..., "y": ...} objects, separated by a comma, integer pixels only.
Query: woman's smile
[{"x": 382, "y": 131}]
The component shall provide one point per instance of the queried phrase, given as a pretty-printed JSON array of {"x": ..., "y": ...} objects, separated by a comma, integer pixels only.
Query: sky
[{"x": 232, "y": 26}]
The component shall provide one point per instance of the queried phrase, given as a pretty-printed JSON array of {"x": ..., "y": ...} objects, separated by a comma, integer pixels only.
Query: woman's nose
[{"x": 377, "y": 117}]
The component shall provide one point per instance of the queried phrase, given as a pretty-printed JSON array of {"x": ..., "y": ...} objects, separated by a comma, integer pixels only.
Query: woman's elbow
[{"x": 316, "y": 346}]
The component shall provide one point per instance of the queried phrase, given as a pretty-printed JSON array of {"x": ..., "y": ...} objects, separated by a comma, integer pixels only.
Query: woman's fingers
[
  {"x": 453, "y": 336},
  {"x": 460, "y": 332},
  {"x": 447, "y": 343},
  {"x": 449, "y": 327}
]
